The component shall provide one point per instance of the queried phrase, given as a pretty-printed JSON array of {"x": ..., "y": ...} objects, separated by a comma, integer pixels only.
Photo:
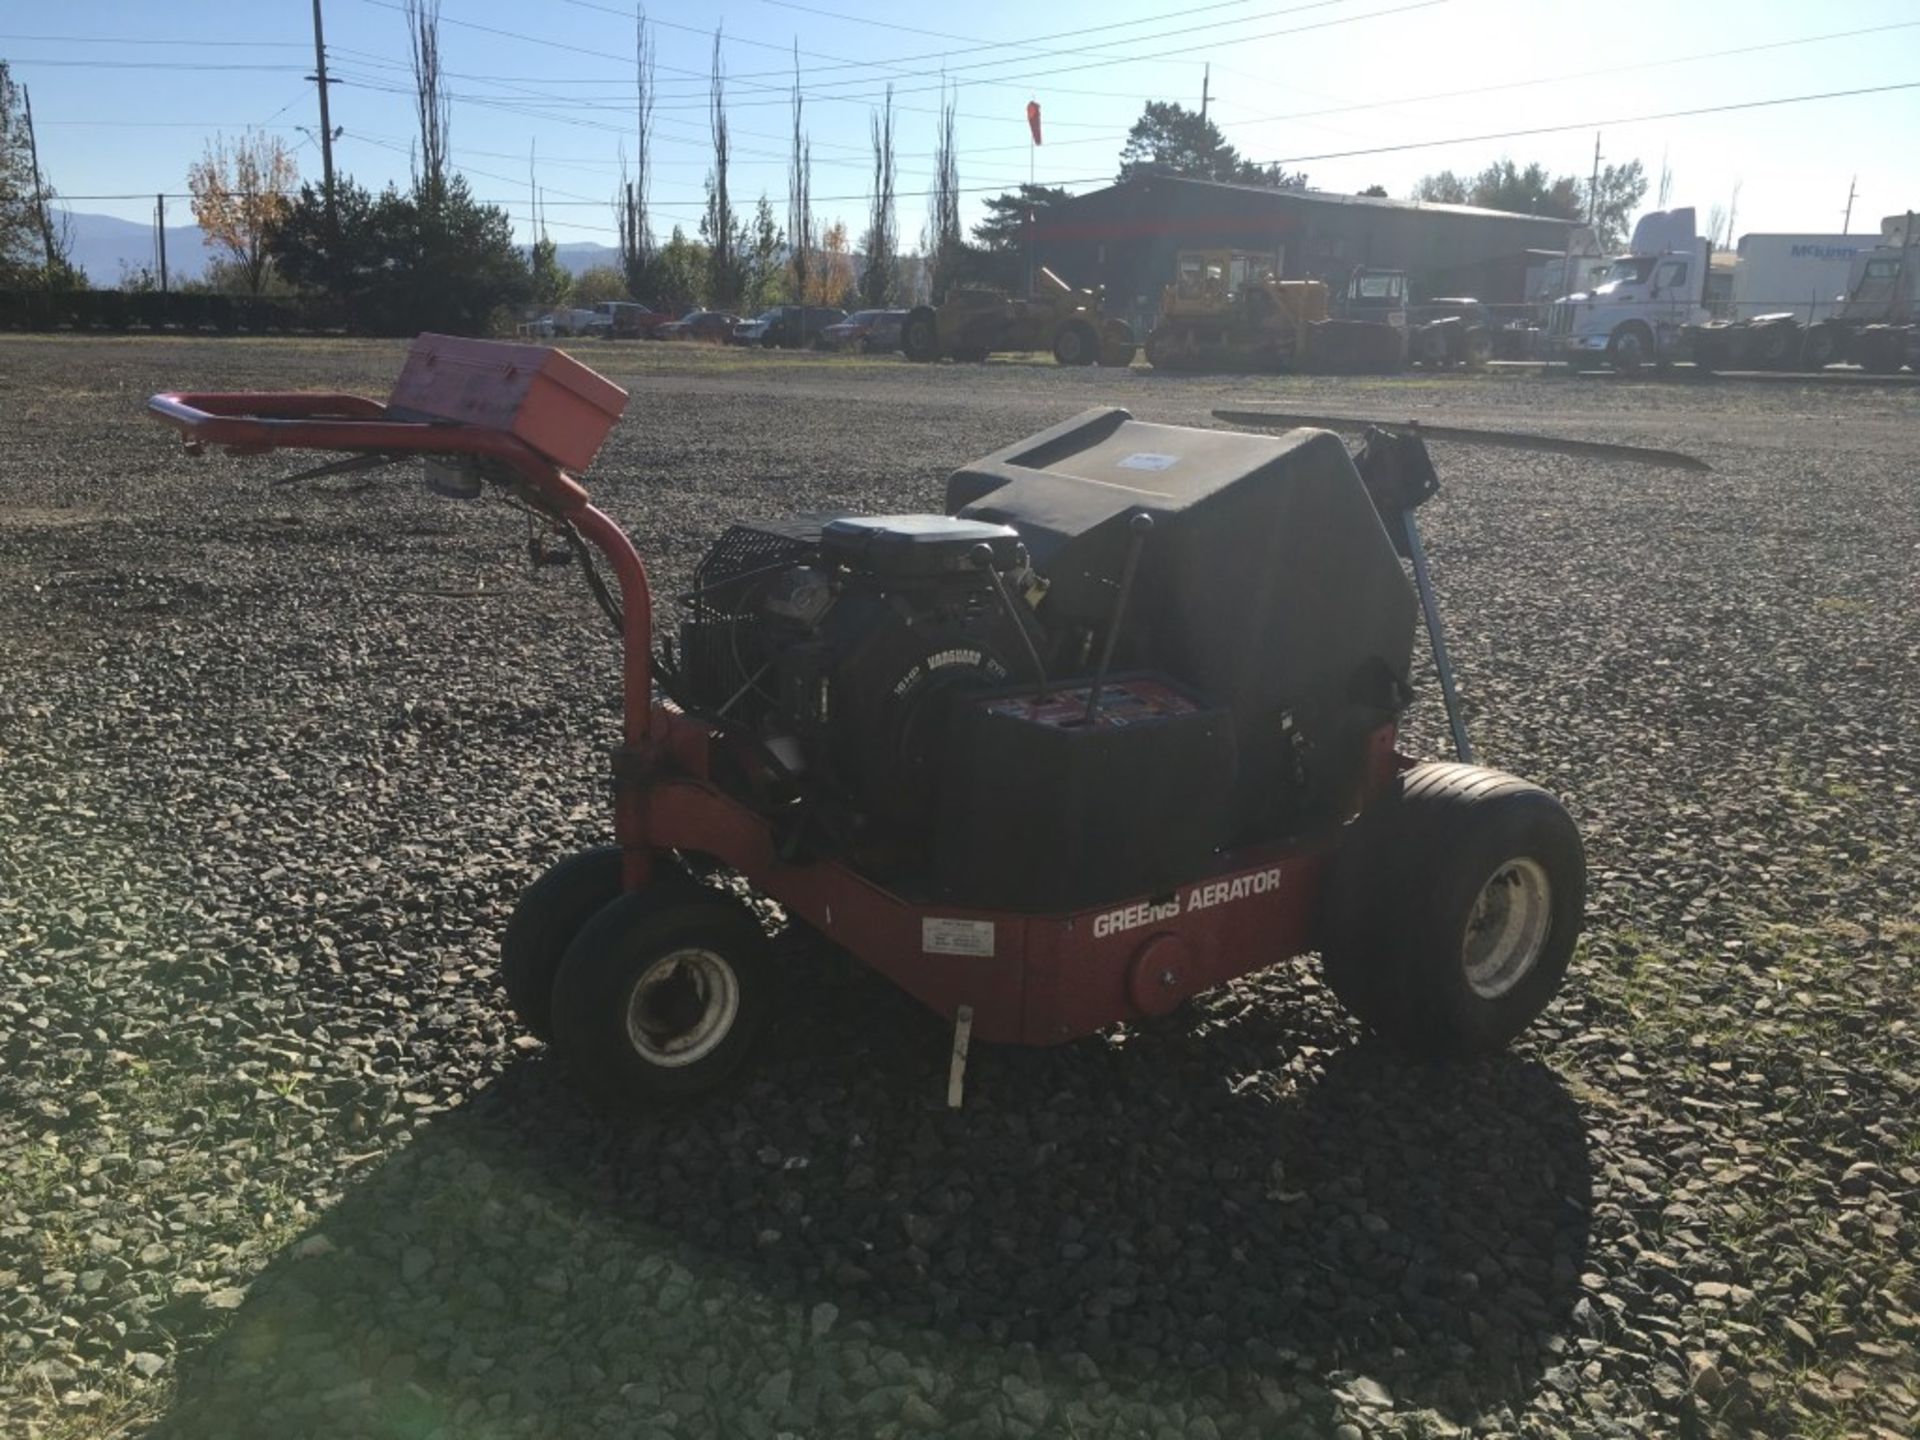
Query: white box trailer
[{"x": 1798, "y": 275}]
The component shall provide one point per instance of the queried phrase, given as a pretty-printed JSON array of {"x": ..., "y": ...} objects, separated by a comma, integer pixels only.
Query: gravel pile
[{"x": 275, "y": 762}]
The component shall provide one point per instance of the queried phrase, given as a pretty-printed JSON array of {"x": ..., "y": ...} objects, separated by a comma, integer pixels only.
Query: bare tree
[
  {"x": 719, "y": 226},
  {"x": 881, "y": 242},
  {"x": 630, "y": 206},
  {"x": 947, "y": 248},
  {"x": 431, "y": 104},
  {"x": 800, "y": 238}
]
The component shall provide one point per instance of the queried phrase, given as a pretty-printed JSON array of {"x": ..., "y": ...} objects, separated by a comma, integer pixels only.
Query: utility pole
[
  {"x": 160, "y": 236},
  {"x": 1206, "y": 83},
  {"x": 39, "y": 195},
  {"x": 1593, "y": 185},
  {"x": 319, "y": 77},
  {"x": 1846, "y": 224}
]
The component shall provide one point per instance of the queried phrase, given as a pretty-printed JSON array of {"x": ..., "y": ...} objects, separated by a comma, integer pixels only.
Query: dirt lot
[{"x": 275, "y": 761}]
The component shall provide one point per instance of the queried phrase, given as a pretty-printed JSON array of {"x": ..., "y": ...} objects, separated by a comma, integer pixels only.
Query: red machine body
[{"x": 1035, "y": 979}]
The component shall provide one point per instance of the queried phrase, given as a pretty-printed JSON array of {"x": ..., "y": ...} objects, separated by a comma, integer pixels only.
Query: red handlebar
[{"x": 253, "y": 422}]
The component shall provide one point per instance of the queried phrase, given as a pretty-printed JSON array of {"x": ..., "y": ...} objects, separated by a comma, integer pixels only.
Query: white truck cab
[{"x": 1638, "y": 312}]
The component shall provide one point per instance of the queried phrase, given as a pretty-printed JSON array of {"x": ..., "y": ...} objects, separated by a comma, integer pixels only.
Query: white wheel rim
[
  {"x": 1507, "y": 928},
  {"x": 682, "y": 1007}
]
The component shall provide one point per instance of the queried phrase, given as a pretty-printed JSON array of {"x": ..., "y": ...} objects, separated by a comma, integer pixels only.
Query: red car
[
  {"x": 865, "y": 331},
  {"x": 714, "y": 326}
]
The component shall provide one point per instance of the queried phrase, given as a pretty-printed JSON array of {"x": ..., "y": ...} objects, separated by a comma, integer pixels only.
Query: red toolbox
[{"x": 545, "y": 397}]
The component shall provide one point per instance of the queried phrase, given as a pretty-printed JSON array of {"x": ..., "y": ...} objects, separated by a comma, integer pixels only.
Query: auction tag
[
  {"x": 956, "y": 937},
  {"x": 1147, "y": 460}
]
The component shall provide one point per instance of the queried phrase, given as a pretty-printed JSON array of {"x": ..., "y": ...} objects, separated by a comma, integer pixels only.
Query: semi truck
[
  {"x": 1871, "y": 322},
  {"x": 1640, "y": 311}
]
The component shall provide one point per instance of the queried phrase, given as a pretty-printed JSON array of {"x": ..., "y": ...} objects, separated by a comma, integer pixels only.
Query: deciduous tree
[
  {"x": 598, "y": 283},
  {"x": 832, "y": 278},
  {"x": 240, "y": 193}
]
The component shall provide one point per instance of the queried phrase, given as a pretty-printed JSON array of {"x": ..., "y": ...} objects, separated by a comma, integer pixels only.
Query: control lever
[
  {"x": 1137, "y": 529},
  {"x": 982, "y": 557}
]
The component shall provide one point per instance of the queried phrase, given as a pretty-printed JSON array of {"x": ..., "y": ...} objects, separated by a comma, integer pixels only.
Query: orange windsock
[{"x": 1033, "y": 119}]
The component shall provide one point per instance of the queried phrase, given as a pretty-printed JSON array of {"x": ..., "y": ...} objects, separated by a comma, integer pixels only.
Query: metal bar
[
  {"x": 1436, "y": 636},
  {"x": 1137, "y": 529},
  {"x": 1503, "y": 439}
]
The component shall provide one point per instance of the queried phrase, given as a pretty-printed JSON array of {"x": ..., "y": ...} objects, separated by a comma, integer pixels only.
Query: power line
[
  {"x": 1111, "y": 137},
  {"x": 151, "y": 65},
  {"x": 143, "y": 40}
]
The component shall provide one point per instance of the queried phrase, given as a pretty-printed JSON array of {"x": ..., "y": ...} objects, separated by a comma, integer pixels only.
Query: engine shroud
[{"x": 1267, "y": 584}]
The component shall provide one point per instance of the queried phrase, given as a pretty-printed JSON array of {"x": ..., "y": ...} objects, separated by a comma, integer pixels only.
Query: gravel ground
[{"x": 275, "y": 761}]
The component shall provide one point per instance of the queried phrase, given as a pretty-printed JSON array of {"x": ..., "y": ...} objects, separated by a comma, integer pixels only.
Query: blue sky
[{"x": 126, "y": 92}]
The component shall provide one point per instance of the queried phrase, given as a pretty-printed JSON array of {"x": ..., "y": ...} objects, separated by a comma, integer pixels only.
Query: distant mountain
[
  {"x": 578, "y": 255},
  {"x": 103, "y": 244}
]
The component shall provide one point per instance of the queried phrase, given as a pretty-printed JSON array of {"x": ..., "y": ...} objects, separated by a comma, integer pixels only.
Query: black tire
[
  {"x": 1880, "y": 352},
  {"x": 551, "y": 912},
  {"x": 1775, "y": 348},
  {"x": 1076, "y": 344},
  {"x": 695, "y": 962},
  {"x": 1630, "y": 348},
  {"x": 1819, "y": 348},
  {"x": 1405, "y": 937},
  {"x": 920, "y": 336}
]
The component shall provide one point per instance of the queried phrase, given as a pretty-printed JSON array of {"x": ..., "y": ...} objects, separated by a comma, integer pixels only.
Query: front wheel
[
  {"x": 1630, "y": 348},
  {"x": 1452, "y": 910},
  {"x": 661, "y": 1001}
]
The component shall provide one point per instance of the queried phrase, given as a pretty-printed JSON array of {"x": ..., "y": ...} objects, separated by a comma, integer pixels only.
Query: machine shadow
[{"x": 1237, "y": 1201}]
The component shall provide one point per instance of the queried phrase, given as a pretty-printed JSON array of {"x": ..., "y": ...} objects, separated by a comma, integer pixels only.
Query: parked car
[
  {"x": 630, "y": 320},
  {"x": 791, "y": 327},
  {"x": 866, "y": 331},
  {"x": 714, "y": 326},
  {"x": 568, "y": 321}
]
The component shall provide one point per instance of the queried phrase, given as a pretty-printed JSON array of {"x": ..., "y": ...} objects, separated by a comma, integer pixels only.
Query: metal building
[{"x": 1126, "y": 236}]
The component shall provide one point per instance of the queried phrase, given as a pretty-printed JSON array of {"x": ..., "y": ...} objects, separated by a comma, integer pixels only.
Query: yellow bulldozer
[{"x": 1230, "y": 310}]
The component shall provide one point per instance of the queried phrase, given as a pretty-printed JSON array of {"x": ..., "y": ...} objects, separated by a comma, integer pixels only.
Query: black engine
[{"x": 917, "y": 693}]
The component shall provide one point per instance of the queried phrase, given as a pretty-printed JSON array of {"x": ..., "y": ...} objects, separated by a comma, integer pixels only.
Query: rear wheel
[
  {"x": 1819, "y": 348},
  {"x": 551, "y": 912},
  {"x": 920, "y": 336},
  {"x": 1453, "y": 908},
  {"x": 662, "y": 1000},
  {"x": 1774, "y": 347},
  {"x": 1075, "y": 345},
  {"x": 1881, "y": 352}
]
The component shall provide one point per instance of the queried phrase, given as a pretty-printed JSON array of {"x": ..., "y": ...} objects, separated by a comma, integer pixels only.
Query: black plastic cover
[{"x": 1267, "y": 584}]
